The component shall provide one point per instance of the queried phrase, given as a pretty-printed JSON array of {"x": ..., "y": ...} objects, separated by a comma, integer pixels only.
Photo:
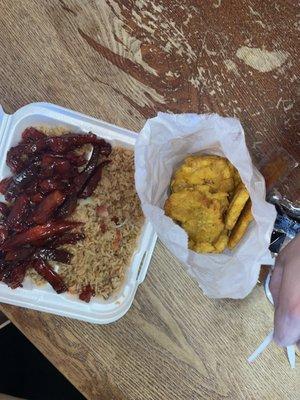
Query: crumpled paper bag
[{"x": 164, "y": 142}]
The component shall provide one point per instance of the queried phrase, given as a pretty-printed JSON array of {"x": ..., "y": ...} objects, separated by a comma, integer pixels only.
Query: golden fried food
[
  {"x": 199, "y": 202},
  {"x": 236, "y": 206},
  {"x": 241, "y": 226},
  {"x": 214, "y": 171},
  {"x": 190, "y": 208},
  {"x": 217, "y": 246},
  {"x": 221, "y": 244},
  {"x": 203, "y": 247},
  {"x": 199, "y": 232}
]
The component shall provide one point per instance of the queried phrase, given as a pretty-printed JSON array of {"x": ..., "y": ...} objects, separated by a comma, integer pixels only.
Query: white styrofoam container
[{"x": 44, "y": 298}]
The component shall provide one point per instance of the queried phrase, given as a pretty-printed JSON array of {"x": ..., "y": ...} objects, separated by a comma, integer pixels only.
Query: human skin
[{"x": 285, "y": 289}]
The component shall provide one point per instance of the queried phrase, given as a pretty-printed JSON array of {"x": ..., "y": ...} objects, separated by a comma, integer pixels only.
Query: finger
[
  {"x": 286, "y": 328},
  {"x": 275, "y": 282},
  {"x": 287, "y": 310}
]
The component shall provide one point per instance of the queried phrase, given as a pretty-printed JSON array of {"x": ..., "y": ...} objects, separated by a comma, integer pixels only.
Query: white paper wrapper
[{"x": 164, "y": 142}]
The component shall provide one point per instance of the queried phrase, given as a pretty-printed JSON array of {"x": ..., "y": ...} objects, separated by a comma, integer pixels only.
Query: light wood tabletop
[{"x": 123, "y": 61}]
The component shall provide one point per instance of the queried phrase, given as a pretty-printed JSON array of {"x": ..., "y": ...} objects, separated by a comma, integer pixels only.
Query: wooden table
[{"x": 123, "y": 61}]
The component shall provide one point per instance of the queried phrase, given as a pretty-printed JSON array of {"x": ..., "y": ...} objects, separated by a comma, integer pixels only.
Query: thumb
[
  {"x": 287, "y": 303},
  {"x": 287, "y": 327}
]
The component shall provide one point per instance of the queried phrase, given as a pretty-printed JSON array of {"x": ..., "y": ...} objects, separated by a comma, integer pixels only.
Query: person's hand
[{"x": 285, "y": 289}]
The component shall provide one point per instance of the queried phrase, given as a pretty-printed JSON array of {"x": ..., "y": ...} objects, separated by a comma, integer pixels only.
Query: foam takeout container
[{"x": 44, "y": 298}]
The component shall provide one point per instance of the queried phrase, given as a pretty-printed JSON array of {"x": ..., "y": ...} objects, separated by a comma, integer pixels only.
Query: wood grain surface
[{"x": 123, "y": 61}]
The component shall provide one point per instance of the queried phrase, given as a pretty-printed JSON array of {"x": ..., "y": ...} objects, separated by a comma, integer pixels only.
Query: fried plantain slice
[
  {"x": 200, "y": 214},
  {"x": 221, "y": 243},
  {"x": 206, "y": 247},
  {"x": 214, "y": 171},
  {"x": 236, "y": 206},
  {"x": 241, "y": 226},
  {"x": 203, "y": 247}
]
